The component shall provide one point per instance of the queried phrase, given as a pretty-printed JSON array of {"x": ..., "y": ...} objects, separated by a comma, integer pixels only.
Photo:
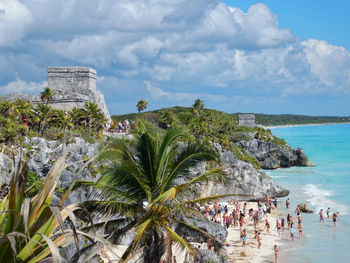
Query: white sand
[{"x": 235, "y": 252}]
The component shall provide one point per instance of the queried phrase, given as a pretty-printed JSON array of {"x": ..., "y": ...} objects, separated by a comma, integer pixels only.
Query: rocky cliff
[
  {"x": 243, "y": 178},
  {"x": 273, "y": 156}
]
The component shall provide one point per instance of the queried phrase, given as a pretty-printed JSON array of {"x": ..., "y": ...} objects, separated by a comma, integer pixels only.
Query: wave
[{"x": 319, "y": 198}]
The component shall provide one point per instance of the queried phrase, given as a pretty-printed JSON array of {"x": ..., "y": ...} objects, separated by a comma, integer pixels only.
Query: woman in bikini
[
  {"x": 278, "y": 227},
  {"x": 300, "y": 227}
]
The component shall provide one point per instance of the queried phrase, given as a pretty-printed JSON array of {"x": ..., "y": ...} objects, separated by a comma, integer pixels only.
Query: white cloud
[
  {"x": 14, "y": 20},
  {"x": 20, "y": 86},
  {"x": 186, "y": 49}
]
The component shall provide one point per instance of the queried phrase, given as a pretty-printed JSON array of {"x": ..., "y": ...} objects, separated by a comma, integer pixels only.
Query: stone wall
[
  {"x": 246, "y": 120},
  {"x": 73, "y": 86}
]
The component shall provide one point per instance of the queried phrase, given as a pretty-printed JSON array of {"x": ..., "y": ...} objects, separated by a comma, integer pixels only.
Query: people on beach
[
  {"x": 267, "y": 226},
  {"x": 335, "y": 218},
  {"x": 328, "y": 212},
  {"x": 321, "y": 216},
  {"x": 300, "y": 228},
  {"x": 258, "y": 238},
  {"x": 282, "y": 224},
  {"x": 292, "y": 232},
  {"x": 278, "y": 227},
  {"x": 275, "y": 248},
  {"x": 244, "y": 238},
  {"x": 287, "y": 203}
]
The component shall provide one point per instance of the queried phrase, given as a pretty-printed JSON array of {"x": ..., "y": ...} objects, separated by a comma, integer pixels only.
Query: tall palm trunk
[
  {"x": 154, "y": 248},
  {"x": 169, "y": 252}
]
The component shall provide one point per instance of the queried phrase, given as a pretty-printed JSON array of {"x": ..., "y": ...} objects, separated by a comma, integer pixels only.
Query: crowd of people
[
  {"x": 237, "y": 214},
  {"x": 120, "y": 127}
]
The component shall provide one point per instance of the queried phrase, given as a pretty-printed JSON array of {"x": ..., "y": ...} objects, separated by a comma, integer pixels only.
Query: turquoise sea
[{"x": 325, "y": 185}]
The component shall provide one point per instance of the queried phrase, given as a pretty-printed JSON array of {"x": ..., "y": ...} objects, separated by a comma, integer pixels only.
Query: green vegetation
[
  {"x": 148, "y": 181},
  {"x": 31, "y": 229},
  {"x": 141, "y": 105},
  {"x": 33, "y": 184},
  {"x": 290, "y": 119},
  {"x": 206, "y": 125},
  {"x": 22, "y": 118}
]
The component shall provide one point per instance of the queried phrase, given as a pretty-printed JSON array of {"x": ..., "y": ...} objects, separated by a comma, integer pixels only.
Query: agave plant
[
  {"x": 31, "y": 229},
  {"x": 149, "y": 187}
]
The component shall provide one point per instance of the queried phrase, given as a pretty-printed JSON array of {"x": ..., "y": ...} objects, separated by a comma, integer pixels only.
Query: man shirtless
[
  {"x": 321, "y": 216},
  {"x": 258, "y": 238},
  {"x": 300, "y": 228}
]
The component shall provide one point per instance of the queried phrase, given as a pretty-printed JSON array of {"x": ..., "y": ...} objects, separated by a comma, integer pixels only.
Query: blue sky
[{"x": 273, "y": 56}]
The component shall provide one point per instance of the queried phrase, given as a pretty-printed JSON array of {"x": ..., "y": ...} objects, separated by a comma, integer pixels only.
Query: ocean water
[{"x": 325, "y": 185}]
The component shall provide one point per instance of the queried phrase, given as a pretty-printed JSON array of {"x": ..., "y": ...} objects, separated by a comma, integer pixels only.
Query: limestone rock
[
  {"x": 205, "y": 256},
  {"x": 212, "y": 228},
  {"x": 273, "y": 156},
  {"x": 303, "y": 208}
]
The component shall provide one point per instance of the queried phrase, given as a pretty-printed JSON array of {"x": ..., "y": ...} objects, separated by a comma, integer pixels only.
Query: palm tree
[
  {"x": 148, "y": 186},
  {"x": 93, "y": 113},
  {"x": 43, "y": 112},
  {"x": 47, "y": 95},
  {"x": 141, "y": 105},
  {"x": 198, "y": 106},
  {"x": 23, "y": 108}
]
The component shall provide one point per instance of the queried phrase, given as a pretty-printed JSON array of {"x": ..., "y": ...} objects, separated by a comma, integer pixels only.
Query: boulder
[
  {"x": 273, "y": 156},
  {"x": 303, "y": 208},
  {"x": 204, "y": 224}
]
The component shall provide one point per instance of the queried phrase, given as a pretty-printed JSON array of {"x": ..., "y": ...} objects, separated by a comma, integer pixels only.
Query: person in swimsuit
[
  {"x": 275, "y": 248},
  {"x": 328, "y": 211},
  {"x": 292, "y": 232},
  {"x": 299, "y": 220},
  {"x": 267, "y": 226},
  {"x": 258, "y": 238},
  {"x": 300, "y": 227},
  {"x": 244, "y": 238},
  {"x": 321, "y": 216},
  {"x": 282, "y": 224},
  {"x": 287, "y": 203},
  {"x": 335, "y": 217},
  {"x": 278, "y": 227},
  {"x": 288, "y": 220}
]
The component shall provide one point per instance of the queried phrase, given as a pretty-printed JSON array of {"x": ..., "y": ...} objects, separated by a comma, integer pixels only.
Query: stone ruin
[
  {"x": 73, "y": 86},
  {"x": 246, "y": 120}
]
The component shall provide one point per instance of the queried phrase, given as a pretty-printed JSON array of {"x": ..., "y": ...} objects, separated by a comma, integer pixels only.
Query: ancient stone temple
[
  {"x": 73, "y": 86},
  {"x": 246, "y": 120}
]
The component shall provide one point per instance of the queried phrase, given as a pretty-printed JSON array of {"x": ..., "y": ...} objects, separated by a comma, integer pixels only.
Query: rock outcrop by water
[{"x": 273, "y": 156}]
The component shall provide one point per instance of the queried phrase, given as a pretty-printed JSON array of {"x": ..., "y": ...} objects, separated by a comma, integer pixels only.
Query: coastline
[
  {"x": 300, "y": 125},
  {"x": 235, "y": 252}
]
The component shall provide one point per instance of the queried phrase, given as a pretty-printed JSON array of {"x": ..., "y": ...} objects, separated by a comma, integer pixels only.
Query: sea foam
[{"x": 319, "y": 198}]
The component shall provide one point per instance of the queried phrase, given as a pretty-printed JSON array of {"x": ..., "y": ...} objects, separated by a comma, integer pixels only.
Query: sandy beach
[{"x": 235, "y": 251}]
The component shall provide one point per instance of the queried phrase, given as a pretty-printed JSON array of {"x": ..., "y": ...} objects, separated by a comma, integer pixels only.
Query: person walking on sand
[
  {"x": 287, "y": 203},
  {"x": 258, "y": 238},
  {"x": 275, "y": 248},
  {"x": 300, "y": 228},
  {"x": 282, "y": 224},
  {"x": 278, "y": 227},
  {"x": 292, "y": 232},
  {"x": 267, "y": 226},
  {"x": 288, "y": 220},
  {"x": 321, "y": 216},
  {"x": 328, "y": 211}
]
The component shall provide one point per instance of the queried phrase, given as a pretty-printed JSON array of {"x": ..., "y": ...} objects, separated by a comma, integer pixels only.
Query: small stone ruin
[
  {"x": 73, "y": 86},
  {"x": 246, "y": 120}
]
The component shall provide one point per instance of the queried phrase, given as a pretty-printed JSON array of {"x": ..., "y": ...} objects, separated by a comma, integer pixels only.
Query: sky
[{"x": 271, "y": 56}]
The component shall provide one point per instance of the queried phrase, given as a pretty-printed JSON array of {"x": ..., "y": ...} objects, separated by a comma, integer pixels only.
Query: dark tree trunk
[{"x": 154, "y": 248}]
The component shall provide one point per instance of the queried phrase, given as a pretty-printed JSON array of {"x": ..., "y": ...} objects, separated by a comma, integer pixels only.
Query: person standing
[
  {"x": 300, "y": 228},
  {"x": 292, "y": 232},
  {"x": 287, "y": 203},
  {"x": 275, "y": 248},
  {"x": 335, "y": 217},
  {"x": 328, "y": 211},
  {"x": 321, "y": 216}
]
